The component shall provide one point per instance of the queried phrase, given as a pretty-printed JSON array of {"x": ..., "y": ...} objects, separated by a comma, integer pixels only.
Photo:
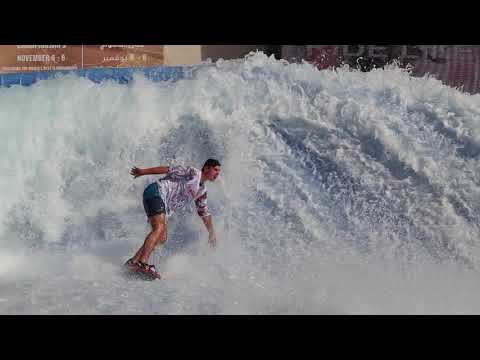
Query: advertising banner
[
  {"x": 26, "y": 58},
  {"x": 454, "y": 65}
]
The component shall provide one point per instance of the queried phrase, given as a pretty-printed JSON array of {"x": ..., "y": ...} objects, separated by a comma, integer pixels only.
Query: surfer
[{"x": 163, "y": 197}]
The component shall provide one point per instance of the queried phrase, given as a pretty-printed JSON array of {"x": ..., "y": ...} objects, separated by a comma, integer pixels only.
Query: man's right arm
[{"x": 136, "y": 172}]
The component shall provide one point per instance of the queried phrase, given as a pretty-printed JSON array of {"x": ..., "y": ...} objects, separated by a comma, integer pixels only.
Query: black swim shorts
[{"x": 152, "y": 201}]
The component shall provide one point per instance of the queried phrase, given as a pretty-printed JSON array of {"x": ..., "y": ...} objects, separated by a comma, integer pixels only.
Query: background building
[{"x": 454, "y": 65}]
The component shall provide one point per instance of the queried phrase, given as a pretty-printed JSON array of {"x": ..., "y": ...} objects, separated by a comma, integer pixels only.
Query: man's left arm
[
  {"x": 203, "y": 212},
  {"x": 212, "y": 238}
]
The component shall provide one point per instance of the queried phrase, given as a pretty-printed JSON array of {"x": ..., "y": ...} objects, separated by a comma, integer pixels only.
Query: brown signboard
[
  {"x": 122, "y": 55},
  {"x": 454, "y": 65},
  {"x": 24, "y": 58}
]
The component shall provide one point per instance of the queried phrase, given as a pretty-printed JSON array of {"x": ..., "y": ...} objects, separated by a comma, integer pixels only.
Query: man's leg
[
  {"x": 138, "y": 254},
  {"x": 161, "y": 240},
  {"x": 159, "y": 228}
]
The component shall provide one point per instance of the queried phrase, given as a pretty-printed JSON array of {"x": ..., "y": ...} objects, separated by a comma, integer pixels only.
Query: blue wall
[{"x": 121, "y": 75}]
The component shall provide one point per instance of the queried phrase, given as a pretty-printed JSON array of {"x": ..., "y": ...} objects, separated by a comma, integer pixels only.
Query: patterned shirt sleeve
[
  {"x": 180, "y": 173},
  {"x": 201, "y": 204}
]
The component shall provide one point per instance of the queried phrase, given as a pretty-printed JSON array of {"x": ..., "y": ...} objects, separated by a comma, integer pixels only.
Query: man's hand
[
  {"x": 136, "y": 172},
  {"x": 212, "y": 240}
]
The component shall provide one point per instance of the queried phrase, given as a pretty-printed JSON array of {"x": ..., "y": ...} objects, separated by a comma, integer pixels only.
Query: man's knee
[
  {"x": 157, "y": 222},
  {"x": 159, "y": 228}
]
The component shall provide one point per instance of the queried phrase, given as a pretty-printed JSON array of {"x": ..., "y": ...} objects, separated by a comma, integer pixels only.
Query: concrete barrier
[{"x": 120, "y": 75}]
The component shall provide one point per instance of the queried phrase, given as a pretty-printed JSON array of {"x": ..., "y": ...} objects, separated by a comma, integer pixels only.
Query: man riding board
[{"x": 163, "y": 197}]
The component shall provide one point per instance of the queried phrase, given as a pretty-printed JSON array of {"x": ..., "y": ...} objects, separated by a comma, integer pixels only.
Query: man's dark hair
[{"x": 211, "y": 163}]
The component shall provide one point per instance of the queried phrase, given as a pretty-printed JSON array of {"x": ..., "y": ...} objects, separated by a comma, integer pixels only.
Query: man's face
[{"x": 212, "y": 172}]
